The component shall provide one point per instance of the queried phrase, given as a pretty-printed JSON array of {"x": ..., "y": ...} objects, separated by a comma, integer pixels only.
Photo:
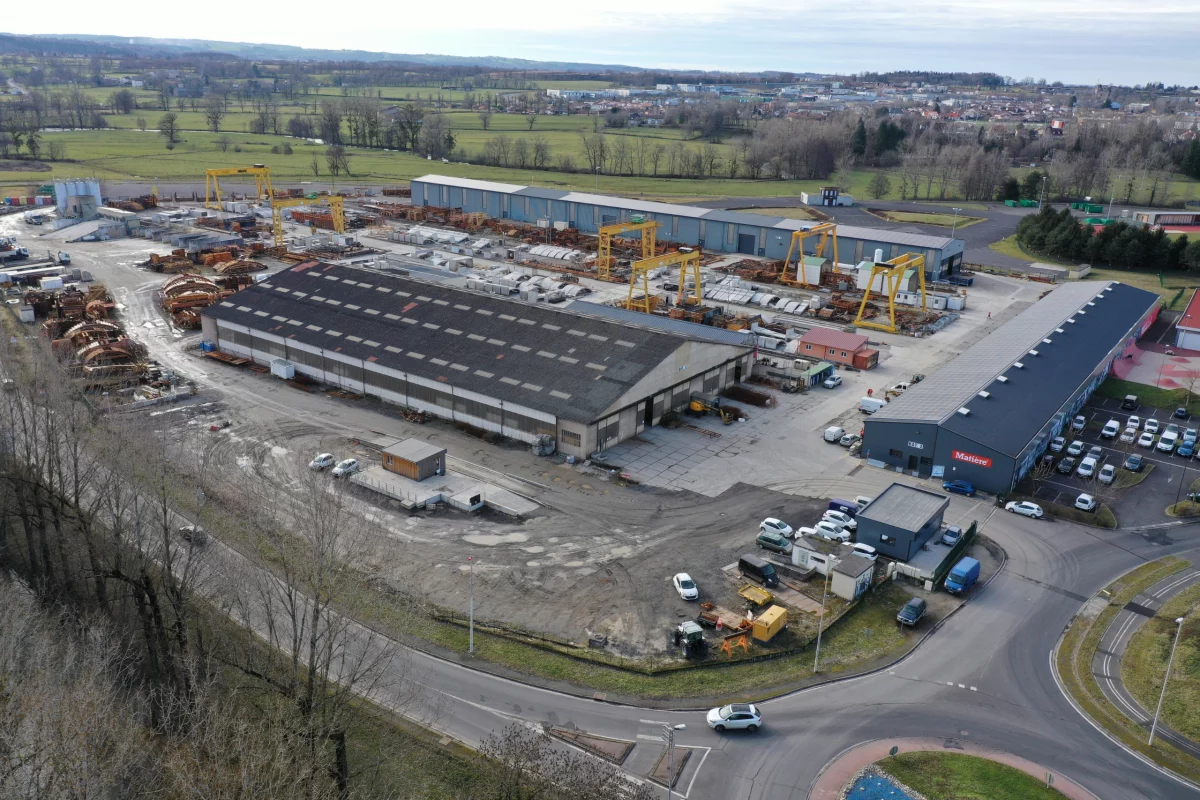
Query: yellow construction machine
[
  {"x": 709, "y": 404},
  {"x": 687, "y": 259},
  {"x": 337, "y": 210},
  {"x": 212, "y": 184},
  {"x": 892, "y": 272},
  {"x": 823, "y": 232},
  {"x": 605, "y": 260}
]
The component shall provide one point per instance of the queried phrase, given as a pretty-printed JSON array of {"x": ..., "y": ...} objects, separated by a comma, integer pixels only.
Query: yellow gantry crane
[
  {"x": 892, "y": 272},
  {"x": 604, "y": 258},
  {"x": 212, "y": 184},
  {"x": 336, "y": 208},
  {"x": 824, "y": 232},
  {"x": 686, "y": 259}
]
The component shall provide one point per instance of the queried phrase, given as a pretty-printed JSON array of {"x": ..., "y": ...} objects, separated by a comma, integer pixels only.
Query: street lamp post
[
  {"x": 954, "y": 224},
  {"x": 471, "y": 622},
  {"x": 1167, "y": 677},
  {"x": 669, "y": 735},
  {"x": 1042, "y": 197},
  {"x": 821, "y": 622}
]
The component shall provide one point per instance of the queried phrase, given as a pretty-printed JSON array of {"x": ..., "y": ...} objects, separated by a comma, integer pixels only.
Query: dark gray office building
[
  {"x": 986, "y": 416},
  {"x": 901, "y": 520}
]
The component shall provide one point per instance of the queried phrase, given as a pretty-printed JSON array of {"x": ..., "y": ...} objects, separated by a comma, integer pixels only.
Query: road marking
[
  {"x": 649, "y": 738},
  {"x": 653, "y": 722}
]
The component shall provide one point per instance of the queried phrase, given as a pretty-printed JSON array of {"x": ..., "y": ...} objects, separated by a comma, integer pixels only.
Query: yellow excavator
[{"x": 710, "y": 404}]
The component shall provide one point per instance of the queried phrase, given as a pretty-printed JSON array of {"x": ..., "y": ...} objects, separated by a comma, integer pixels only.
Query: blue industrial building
[{"x": 711, "y": 229}]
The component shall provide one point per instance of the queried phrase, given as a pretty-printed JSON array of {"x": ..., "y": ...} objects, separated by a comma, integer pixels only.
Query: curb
[{"x": 1053, "y": 657}]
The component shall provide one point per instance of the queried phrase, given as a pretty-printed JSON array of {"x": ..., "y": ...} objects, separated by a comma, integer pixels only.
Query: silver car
[{"x": 737, "y": 716}]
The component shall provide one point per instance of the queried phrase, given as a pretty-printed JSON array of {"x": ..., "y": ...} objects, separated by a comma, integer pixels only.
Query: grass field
[
  {"x": 953, "y": 776},
  {"x": 865, "y": 634},
  {"x": 1073, "y": 661},
  {"x": 1145, "y": 663},
  {"x": 790, "y": 213},
  {"x": 927, "y": 218},
  {"x": 1149, "y": 395}
]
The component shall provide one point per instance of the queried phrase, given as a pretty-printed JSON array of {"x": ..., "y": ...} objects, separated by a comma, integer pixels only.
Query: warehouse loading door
[{"x": 746, "y": 243}]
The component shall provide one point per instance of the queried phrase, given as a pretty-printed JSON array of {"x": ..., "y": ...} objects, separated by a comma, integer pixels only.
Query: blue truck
[{"x": 963, "y": 576}]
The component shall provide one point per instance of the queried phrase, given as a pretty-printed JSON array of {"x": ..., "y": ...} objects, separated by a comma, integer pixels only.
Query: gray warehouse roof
[
  {"x": 696, "y": 212},
  {"x": 905, "y": 507},
  {"x": 940, "y": 395},
  {"x": 553, "y": 360}
]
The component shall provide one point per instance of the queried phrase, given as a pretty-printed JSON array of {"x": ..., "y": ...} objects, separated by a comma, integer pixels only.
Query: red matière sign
[{"x": 971, "y": 458}]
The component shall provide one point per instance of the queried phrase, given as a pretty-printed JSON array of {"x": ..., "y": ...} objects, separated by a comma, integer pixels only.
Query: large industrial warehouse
[
  {"x": 519, "y": 369},
  {"x": 712, "y": 229},
  {"x": 986, "y": 416}
]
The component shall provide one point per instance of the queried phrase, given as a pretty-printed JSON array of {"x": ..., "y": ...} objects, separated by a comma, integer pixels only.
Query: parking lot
[{"x": 1145, "y": 503}]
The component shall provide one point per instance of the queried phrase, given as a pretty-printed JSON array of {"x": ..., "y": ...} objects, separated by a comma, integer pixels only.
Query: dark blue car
[{"x": 959, "y": 487}]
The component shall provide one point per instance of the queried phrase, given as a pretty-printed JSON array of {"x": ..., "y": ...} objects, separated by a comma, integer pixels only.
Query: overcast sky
[{"x": 1075, "y": 41}]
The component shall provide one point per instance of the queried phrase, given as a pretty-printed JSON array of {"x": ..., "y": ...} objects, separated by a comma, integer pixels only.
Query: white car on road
[
  {"x": 346, "y": 468},
  {"x": 1024, "y": 508},
  {"x": 686, "y": 587},
  {"x": 738, "y": 716}
]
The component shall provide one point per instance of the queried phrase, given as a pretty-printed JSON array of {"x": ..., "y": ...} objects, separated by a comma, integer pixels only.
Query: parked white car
[
  {"x": 322, "y": 461},
  {"x": 1024, "y": 508},
  {"x": 1057, "y": 444},
  {"x": 775, "y": 526},
  {"x": 1168, "y": 441},
  {"x": 831, "y": 530},
  {"x": 1129, "y": 435},
  {"x": 865, "y": 550},
  {"x": 1111, "y": 429},
  {"x": 687, "y": 588},
  {"x": 1108, "y": 473},
  {"x": 346, "y": 468},
  {"x": 1078, "y": 423},
  {"x": 1151, "y": 426},
  {"x": 1133, "y": 422},
  {"x": 1087, "y": 468},
  {"x": 1146, "y": 440},
  {"x": 832, "y": 382},
  {"x": 845, "y": 520},
  {"x": 1076, "y": 448},
  {"x": 1085, "y": 502}
]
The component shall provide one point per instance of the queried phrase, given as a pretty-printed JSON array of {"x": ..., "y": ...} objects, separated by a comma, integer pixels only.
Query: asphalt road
[
  {"x": 984, "y": 677},
  {"x": 1107, "y": 663}
]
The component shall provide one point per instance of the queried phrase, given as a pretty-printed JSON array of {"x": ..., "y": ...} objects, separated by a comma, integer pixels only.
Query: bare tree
[
  {"x": 168, "y": 126},
  {"x": 485, "y": 118},
  {"x": 214, "y": 111}
]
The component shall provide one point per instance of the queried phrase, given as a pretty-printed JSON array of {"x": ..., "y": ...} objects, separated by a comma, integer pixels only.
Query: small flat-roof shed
[
  {"x": 901, "y": 520},
  {"x": 415, "y": 459}
]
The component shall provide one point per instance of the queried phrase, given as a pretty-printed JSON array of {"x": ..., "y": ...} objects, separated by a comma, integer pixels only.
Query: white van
[
  {"x": 1111, "y": 429},
  {"x": 869, "y": 405},
  {"x": 834, "y": 434}
]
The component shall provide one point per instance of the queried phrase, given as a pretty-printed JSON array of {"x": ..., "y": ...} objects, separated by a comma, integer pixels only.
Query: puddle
[
  {"x": 493, "y": 539},
  {"x": 534, "y": 550}
]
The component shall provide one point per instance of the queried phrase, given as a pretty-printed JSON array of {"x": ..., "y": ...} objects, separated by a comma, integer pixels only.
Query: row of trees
[
  {"x": 133, "y": 662},
  {"x": 1059, "y": 235}
]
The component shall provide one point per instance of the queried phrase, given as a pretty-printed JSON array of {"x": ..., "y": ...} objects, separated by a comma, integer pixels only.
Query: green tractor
[{"x": 690, "y": 636}]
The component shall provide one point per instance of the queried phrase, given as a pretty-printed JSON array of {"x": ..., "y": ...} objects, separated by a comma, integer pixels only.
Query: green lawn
[
  {"x": 1075, "y": 653},
  {"x": 927, "y": 218},
  {"x": 1148, "y": 395},
  {"x": 799, "y": 212},
  {"x": 1008, "y": 246},
  {"x": 953, "y": 776},
  {"x": 1145, "y": 663}
]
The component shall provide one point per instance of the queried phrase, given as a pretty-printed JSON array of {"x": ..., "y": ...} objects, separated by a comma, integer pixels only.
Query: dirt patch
[{"x": 8, "y": 165}]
